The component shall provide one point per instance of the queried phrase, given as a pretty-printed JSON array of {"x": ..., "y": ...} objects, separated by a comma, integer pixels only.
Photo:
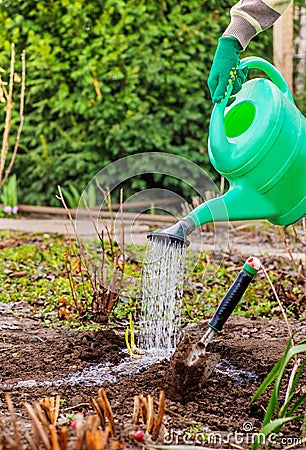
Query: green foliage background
[{"x": 106, "y": 79}]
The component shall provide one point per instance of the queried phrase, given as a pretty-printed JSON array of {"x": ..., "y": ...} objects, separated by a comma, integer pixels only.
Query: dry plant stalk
[
  {"x": 50, "y": 407},
  {"x": 96, "y": 432},
  {"x": 44, "y": 415},
  {"x": 4, "y": 436},
  {"x": 286, "y": 245},
  {"x": 144, "y": 409},
  {"x": 7, "y": 97},
  {"x": 160, "y": 415},
  {"x": 14, "y": 421},
  {"x": 89, "y": 433},
  {"x": 279, "y": 304},
  {"x": 38, "y": 429},
  {"x": 100, "y": 412},
  {"x": 150, "y": 414},
  {"x": 104, "y": 411},
  {"x": 103, "y": 400},
  {"x": 105, "y": 293}
]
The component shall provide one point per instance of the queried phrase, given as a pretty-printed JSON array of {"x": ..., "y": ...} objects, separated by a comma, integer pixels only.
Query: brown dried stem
[
  {"x": 8, "y": 118},
  {"x": 38, "y": 426},
  {"x": 279, "y": 304},
  {"x": 51, "y": 408},
  {"x": 160, "y": 414},
  {"x": 14, "y": 421},
  {"x": 100, "y": 411},
  {"x": 103, "y": 400},
  {"x": 136, "y": 410},
  {"x": 21, "y": 115},
  {"x": 286, "y": 245},
  {"x": 150, "y": 418}
]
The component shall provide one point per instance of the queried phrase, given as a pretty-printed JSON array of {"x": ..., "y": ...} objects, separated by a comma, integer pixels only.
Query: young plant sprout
[{"x": 133, "y": 350}]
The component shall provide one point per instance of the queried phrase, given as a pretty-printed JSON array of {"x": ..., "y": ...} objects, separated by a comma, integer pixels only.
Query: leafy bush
[{"x": 109, "y": 79}]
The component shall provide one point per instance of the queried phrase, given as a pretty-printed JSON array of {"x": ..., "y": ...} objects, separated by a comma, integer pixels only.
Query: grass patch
[{"x": 34, "y": 270}]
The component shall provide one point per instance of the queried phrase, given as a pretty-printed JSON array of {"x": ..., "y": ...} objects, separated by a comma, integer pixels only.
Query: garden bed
[
  {"x": 43, "y": 356},
  {"x": 42, "y": 362}
]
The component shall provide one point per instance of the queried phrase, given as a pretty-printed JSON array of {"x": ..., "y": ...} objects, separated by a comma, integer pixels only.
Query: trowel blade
[
  {"x": 183, "y": 380},
  {"x": 196, "y": 353},
  {"x": 198, "y": 350}
]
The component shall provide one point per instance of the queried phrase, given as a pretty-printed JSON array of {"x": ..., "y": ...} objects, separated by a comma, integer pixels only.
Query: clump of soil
[{"x": 183, "y": 379}]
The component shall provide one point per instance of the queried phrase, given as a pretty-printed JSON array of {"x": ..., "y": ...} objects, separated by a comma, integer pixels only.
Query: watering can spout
[{"x": 239, "y": 203}]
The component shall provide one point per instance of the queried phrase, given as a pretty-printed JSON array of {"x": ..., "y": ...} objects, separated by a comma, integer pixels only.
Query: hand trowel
[{"x": 225, "y": 308}]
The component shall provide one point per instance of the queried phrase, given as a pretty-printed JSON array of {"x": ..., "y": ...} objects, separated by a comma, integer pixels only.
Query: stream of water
[
  {"x": 162, "y": 290},
  {"x": 95, "y": 375},
  {"x": 98, "y": 374}
]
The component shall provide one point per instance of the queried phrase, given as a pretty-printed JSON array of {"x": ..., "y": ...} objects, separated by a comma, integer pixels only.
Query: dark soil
[{"x": 248, "y": 349}]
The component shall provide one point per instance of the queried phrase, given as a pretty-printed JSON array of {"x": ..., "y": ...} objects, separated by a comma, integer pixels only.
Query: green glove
[{"x": 225, "y": 69}]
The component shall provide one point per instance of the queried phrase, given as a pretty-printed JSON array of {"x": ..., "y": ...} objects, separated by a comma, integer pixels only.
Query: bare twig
[
  {"x": 136, "y": 410},
  {"x": 70, "y": 279},
  {"x": 160, "y": 415},
  {"x": 81, "y": 253},
  {"x": 286, "y": 245},
  {"x": 279, "y": 304},
  {"x": 14, "y": 421},
  {"x": 21, "y": 114},
  {"x": 38, "y": 426},
  {"x": 173, "y": 413},
  {"x": 75, "y": 406},
  {"x": 150, "y": 418},
  {"x": 100, "y": 412},
  {"x": 107, "y": 410},
  {"x": 122, "y": 231},
  {"x": 8, "y": 115},
  {"x": 111, "y": 296}
]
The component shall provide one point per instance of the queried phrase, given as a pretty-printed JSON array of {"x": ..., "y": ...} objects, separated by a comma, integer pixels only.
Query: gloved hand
[{"x": 225, "y": 69}]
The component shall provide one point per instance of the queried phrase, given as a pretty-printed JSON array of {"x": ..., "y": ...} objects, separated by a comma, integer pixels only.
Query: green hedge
[{"x": 106, "y": 79}]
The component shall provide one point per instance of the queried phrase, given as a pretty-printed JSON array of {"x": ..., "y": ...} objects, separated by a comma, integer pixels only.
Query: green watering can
[{"x": 259, "y": 146}]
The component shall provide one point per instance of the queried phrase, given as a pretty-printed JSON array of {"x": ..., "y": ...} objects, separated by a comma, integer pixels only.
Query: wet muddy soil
[{"x": 41, "y": 362}]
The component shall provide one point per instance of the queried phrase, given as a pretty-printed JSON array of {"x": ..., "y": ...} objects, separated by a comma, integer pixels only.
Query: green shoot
[
  {"x": 287, "y": 411},
  {"x": 133, "y": 351}
]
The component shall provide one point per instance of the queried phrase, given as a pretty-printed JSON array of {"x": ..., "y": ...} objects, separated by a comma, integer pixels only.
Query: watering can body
[{"x": 259, "y": 146}]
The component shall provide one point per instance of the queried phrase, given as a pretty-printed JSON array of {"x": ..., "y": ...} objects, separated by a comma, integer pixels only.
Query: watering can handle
[
  {"x": 254, "y": 62},
  {"x": 218, "y": 140}
]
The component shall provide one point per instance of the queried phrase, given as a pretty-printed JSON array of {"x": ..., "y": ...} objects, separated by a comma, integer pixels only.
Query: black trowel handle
[{"x": 234, "y": 294}]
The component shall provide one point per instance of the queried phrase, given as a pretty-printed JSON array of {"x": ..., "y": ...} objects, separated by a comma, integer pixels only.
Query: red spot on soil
[{"x": 139, "y": 436}]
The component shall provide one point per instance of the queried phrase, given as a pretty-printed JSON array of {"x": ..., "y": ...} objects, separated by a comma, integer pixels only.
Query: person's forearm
[{"x": 250, "y": 17}]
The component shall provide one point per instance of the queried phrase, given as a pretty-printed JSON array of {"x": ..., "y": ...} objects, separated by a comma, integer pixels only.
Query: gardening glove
[{"x": 225, "y": 70}]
